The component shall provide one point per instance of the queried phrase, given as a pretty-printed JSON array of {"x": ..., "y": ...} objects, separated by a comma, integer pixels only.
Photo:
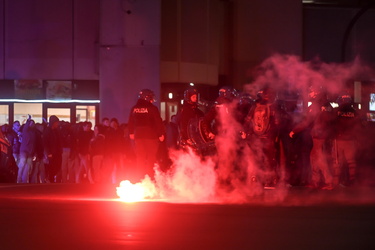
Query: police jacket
[
  {"x": 347, "y": 123},
  {"x": 145, "y": 121},
  {"x": 319, "y": 119},
  {"x": 189, "y": 111},
  {"x": 212, "y": 120}
]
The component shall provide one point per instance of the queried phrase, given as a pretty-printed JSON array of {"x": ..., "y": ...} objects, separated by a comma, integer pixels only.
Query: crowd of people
[
  {"x": 255, "y": 139},
  {"x": 58, "y": 151}
]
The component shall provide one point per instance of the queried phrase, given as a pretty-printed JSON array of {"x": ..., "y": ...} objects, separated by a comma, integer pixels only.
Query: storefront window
[
  {"x": 4, "y": 115},
  {"x": 22, "y": 110},
  {"x": 62, "y": 113},
  {"x": 86, "y": 113}
]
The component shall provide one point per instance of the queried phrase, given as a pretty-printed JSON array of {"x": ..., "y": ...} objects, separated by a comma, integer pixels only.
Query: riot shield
[{"x": 201, "y": 143}]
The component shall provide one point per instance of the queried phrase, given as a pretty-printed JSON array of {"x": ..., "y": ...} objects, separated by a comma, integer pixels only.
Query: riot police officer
[
  {"x": 146, "y": 128},
  {"x": 212, "y": 122},
  {"x": 319, "y": 119},
  {"x": 347, "y": 127},
  {"x": 262, "y": 129},
  {"x": 220, "y": 126},
  {"x": 189, "y": 113}
]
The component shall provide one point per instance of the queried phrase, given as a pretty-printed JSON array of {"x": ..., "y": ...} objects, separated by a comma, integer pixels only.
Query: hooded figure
[{"x": 52, "y": 120}]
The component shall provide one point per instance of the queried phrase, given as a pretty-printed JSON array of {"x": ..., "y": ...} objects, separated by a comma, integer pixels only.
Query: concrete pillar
[{"x": 129, "y": 54}]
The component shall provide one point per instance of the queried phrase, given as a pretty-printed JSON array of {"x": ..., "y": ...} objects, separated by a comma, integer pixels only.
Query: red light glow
[{"x": 129, "y": 192}]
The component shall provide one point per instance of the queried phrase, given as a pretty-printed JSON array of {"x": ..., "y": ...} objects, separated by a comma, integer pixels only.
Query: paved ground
[{"x": 84, "y": 216}]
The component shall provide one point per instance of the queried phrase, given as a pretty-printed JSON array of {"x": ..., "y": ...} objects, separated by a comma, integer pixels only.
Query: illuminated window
[
  {"x": 372, "y": 102},
  {"x": 22, "y": 110},
  {"x": 62, "y": 113},
  {"x": 86, "y": 113},
  {"x": 4, "y": 115}
]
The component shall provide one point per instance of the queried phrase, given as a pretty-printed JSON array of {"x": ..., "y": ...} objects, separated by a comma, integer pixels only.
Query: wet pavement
[{"x": 84, "y": 216}]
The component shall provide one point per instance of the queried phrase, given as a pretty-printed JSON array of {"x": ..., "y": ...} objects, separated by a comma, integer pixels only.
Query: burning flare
[{"x": 129, "y": 192}]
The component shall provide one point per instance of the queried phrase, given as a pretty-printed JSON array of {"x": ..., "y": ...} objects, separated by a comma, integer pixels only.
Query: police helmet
[
  {"x": 266, "y": 94},
  {"x": 246, "y": 99},
  {"x": 147, "y": 95},
  {"x": 344, "y": 99},
  {"x": 189, "y": 93},
  {"x": 316, "y": 91},
  {"x": 227, "y": 92}
]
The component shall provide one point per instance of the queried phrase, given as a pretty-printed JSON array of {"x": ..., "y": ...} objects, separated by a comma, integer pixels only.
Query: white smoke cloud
[{"x": 190, "y": 178}]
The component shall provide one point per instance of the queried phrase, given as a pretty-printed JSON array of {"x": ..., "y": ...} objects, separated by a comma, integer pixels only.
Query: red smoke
[{"x": 225, "y": 177}]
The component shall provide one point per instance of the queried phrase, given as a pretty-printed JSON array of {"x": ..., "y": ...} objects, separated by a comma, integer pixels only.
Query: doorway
[
  {"x": 72, "y": 112},
  {"x": 4, "y": 114}
]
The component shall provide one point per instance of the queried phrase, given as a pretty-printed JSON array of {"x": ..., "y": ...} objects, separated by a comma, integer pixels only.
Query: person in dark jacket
[
  {"x": 97, "y": 153},
  {"x": 38, "y": 174},
  {"x": 172, "y": 133},
  {"x": 347, "y": 129},
  {"x": 262, "y": 126},
  {"x": 69, "y": 155},
  {"x": 189, "y": 111},
  {"x": 116, "y": 143},
  {"x": 318, "y": 120},
  {"x": 27, "y": 151},
  {"x": 83, "y": 146},
  {"x": 212, "y": 123},
  {"x": 8, "y": 167},
  {"x": 146, "y": 128},
  {"x": 14, "y": 138},
  {"x": 53, "y": 149},
  {"x": 217, "y": 120},
  {"x": 221, "y": 130}
]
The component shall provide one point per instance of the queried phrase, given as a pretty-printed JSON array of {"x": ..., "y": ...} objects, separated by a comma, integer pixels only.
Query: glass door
[
  {"x": 72, "y": 112},
  {"x": 86, "y": 113},
  {"x": 62, "y": 113},
  {"x": 22, "y": 110},
  {"x": 4, "y": 114}
]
